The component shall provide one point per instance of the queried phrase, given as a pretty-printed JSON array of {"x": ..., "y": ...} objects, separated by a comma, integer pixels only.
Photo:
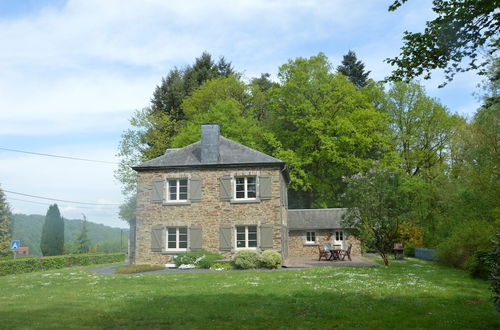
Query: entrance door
[{"x": 339, "y": 239}]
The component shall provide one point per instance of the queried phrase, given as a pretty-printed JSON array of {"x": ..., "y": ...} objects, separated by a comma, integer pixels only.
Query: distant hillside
[{"x": 28, "y": 229}]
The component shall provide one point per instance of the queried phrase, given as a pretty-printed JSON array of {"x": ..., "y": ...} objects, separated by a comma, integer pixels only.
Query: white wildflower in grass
[{"x": 45, "y": 284}]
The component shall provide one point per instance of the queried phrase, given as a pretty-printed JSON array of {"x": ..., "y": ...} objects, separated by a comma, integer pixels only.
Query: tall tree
[
  {"x": 82, "y": 240},
  {"x": 421, "y": 126},
  {"x": 324, "y": 129},
  {"x": 354, "y": 69},
  {"x": 226, "y": 101},
  {"x": 52, "y": 241},
  {"x": 377, "y": 205},
  {"x": 154, "y": 127},
  {"x": 479, "y": 174},
  {"x": 460, "y": 31},
  {"x": 5, "y": 225}
]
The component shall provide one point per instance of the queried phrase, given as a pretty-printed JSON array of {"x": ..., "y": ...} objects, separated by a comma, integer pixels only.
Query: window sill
[
  {"x": 173, "y": 252},
  {"x": 175, "y": 203},
  {"x": 245, "y": 201}
]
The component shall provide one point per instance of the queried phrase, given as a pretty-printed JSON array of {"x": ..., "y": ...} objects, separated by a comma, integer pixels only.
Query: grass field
[{"x": 408, "y": 294}]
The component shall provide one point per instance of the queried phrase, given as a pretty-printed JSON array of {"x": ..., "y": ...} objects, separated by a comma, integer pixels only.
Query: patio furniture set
[{"x": 334, "y": 253}]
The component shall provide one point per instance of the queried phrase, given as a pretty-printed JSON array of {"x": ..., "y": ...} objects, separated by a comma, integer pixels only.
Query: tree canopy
[
  {"x": 452, "y": 41},
  {"x": 326, "y": 129},
  {"x": 377, "y": 205}
]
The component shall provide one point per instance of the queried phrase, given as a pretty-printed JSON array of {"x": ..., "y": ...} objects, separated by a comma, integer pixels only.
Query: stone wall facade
[
  {"x": 297, "y": 246},
  {"x": 209, "y": 214}
]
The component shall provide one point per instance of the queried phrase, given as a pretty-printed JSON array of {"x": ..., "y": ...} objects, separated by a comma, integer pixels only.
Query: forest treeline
[{"x": 329, "y": 123}]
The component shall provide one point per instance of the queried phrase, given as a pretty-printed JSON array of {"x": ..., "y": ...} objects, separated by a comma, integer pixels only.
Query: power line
[
  {"x": 57, "y": 156},
  {"x": 25, "y": 200},
  {"x": 59, "y": 200}
]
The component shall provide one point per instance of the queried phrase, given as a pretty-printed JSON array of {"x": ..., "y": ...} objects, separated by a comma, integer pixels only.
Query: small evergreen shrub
[
  {"x": 480, "y": 267},
  {"x": 270, "y": 259},
  {"x": 246, "y": 259},
  {"x": 28, "y": 265},
  {"x": 201, "y": 259}
]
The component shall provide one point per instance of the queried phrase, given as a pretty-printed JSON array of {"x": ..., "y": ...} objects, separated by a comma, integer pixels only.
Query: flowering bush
[{"x": 200, "y": 259}]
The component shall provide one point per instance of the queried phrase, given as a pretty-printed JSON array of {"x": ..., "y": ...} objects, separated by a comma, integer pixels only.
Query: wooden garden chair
[
  {"x": 344, "y": 253},
  {"x": 323, "y": 253}
]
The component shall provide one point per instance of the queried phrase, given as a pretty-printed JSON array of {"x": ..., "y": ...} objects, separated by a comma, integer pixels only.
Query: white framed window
[
  {"x": 245, "y": 187},
  {"x": 311, "y": 237},
  {"x": 177, "y": 190},
  {"x": 246, "y": 237},
  {"x": 177, "y": 238},
  {"x": 339, "y": 235}
]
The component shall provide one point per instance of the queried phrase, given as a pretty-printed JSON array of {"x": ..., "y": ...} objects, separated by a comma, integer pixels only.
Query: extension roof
[
  {"x": 230, "y": 154},
  {"x": 303, "y": 219}
]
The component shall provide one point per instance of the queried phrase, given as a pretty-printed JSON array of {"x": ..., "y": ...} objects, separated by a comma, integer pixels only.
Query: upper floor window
[
  {"x": 177, "y": 190},
  {"x": 246, "y": 187},
  {"x": 177, "y": 238}
]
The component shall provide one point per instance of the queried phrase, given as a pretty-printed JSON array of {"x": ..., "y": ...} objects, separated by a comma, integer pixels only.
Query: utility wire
[
  {"x": 25, "y": 200},
  {"x": 59, "y": 200},
  {"x": 57, "y": 156}
]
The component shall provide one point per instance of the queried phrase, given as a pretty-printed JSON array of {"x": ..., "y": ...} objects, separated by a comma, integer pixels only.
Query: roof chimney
[{"x": 210, "y": 143}]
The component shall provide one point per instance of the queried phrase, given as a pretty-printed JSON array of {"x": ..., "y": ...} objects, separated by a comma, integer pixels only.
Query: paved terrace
[{"x": 306, "y": 262}]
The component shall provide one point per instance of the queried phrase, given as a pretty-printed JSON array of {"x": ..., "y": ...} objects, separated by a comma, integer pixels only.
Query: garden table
[{"x": 335, "y": 253}]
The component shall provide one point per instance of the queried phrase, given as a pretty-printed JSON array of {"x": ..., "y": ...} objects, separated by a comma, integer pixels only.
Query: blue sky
[{"x": 73, "y": 72}]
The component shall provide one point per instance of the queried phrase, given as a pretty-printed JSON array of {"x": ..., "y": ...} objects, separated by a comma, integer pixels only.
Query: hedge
[{"x": 28, "y": 265}]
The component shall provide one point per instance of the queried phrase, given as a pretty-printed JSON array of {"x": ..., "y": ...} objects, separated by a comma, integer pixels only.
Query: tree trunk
[{"x": 385, "y": 258}]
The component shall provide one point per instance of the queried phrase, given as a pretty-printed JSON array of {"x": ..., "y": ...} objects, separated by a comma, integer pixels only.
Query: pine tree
[
  {"x": 5, "y": 225},
  {"x": 354, "y": 70},
  {"x": 52, "y": 242},
  {"x": 83, "y": 241}
]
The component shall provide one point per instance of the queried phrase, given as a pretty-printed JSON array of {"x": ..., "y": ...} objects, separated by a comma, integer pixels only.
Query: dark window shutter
[
  {"x": 266, "y": 236},
  {"x": 157, "y": 192},
  {"x": 225, "y": 238},
  {"x": 195, "y": 238},
  {"x": 225, "y": 188},
  {"x": 195, "y": 189},
  {"x": 265, "y": 186},
  {"x": 157, "y": 234}
]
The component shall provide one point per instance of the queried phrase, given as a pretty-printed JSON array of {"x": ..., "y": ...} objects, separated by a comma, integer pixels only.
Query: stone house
[
  {"x": 312, "y": 228},
  {"x": 216, "y": 195}
]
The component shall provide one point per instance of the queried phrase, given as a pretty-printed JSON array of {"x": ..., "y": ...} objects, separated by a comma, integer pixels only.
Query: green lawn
[{"x": 408, "y": 294}]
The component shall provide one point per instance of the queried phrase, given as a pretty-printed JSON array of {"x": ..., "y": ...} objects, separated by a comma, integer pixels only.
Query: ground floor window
[
  {"x": 310, "y": 237},
  {"x": 339, "y": 235},
  {"x": 246, "y": 237},
  {"x": 177, "y": 238}
]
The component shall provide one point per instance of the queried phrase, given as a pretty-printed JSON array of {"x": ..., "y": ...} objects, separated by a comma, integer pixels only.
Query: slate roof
[
  {"x": 302, "y": 219},
  {"x": 230, "y": 153}
]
